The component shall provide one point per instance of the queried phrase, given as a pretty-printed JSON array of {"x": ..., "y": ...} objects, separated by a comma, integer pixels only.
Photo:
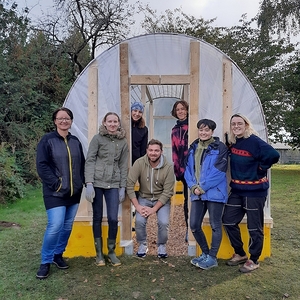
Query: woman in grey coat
[{"x": 105, "y": 175}]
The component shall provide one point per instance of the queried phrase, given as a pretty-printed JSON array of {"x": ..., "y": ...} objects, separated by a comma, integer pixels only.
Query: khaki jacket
[
  {"x": 155, "y": 184},
  {"x": 106, "y": 164}
]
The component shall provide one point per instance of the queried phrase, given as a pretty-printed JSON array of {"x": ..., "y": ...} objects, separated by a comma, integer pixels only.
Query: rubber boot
[
  {"x": 111, "y": 245},
  {"x": 100, "y": 261}
]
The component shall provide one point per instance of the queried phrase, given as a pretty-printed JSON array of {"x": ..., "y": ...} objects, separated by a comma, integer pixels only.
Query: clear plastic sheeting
[{"x": 163, "y": 54}]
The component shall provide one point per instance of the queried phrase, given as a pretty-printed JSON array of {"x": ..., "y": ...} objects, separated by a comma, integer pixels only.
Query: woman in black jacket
[
  {"x": 139, "y": 132},
  {"x": 60, "y": 165}
]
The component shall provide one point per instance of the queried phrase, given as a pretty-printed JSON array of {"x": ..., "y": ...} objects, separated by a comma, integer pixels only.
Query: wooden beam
[
  {"x": 125, "y": 119},
  {"x": 85, "y": 211},
  {"x": 227, "y": 94},
  {"x": 194, "y": 103},
  {"x": 159, "y": 80},
  {"x": 195, "y": 100},
  {"x": 92, "y": 100},
  {"x": 175, "y": 79},
  {"x": 144, "y": 79}
]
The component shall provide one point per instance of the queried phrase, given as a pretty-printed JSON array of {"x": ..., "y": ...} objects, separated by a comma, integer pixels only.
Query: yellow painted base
[
  {"x": 81, "y": 241},
  {"x": 226, "y": 250}
]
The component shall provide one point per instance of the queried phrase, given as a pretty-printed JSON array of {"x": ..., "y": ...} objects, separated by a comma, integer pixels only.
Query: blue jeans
[
  {"x": 235, "y": 210},
  {"x": 112, "y": 206},
  {"x": 59, "y": 227},
  {"x": 215, "y": 211},
  {"x": 163, "y": 215}
]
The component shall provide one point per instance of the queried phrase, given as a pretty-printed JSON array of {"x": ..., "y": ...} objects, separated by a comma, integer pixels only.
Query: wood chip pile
[{"x": 176, "y": 245}]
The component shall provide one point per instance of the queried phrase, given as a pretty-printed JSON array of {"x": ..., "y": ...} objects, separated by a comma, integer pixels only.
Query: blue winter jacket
[{"x": 213, "y": 178}]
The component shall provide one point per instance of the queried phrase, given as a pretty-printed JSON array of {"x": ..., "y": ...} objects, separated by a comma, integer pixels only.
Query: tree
[
  {"x": 34, "y": 79},
  {"x": 94, "y": 23},
  {"x": 279, "y": 16},
  {"x": 178, "y": 22}
]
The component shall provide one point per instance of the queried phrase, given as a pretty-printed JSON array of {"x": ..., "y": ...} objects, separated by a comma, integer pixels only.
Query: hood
[
  {"x": 161, "y": 164},
  {"x": 120, "y": 134}
]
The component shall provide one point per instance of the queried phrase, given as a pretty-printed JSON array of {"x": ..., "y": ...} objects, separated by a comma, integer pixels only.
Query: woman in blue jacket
[{"x": 205, "y": 175}]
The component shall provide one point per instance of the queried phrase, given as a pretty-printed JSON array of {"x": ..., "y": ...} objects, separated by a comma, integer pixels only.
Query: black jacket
[
  {"x": 139, "y": 140},
  {"x": 60, "y": 165}
]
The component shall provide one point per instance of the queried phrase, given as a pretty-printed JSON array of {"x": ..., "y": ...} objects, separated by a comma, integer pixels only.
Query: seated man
[{"x": 156, "y": 178}]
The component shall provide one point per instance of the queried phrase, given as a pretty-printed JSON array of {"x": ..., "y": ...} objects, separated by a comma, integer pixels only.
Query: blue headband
[{"x": 137, "y": 105}]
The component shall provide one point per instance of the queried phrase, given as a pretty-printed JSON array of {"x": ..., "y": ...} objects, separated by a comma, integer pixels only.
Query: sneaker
[
  {"x": 162, "y": 253},
  {"x": 236, "y": 260},
  {"x": 43, "y": 271},
  {"x": 208, "y": 263},
  {"x": 249, "y": 266},
  {"x": 142, "y": 251},
  {"x": 198, "y": 259},
  {"x": 60, "y": 262}
]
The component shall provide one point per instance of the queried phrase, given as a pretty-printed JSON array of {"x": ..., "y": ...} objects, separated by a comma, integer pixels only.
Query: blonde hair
[{"x": 248, "y": 131}]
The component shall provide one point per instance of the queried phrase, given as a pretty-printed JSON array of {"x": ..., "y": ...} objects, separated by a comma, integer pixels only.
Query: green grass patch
[{"x": 150, "y": 278}]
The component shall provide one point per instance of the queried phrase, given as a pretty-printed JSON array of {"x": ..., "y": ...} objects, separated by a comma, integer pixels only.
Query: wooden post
[
  {"x": 125, "y": 119},
  {"x": 194, "y": 104},
  {"x": 227, "y": 94},
  {"x": 85, "y": 208},
  {"x": 195, "y": 100}
]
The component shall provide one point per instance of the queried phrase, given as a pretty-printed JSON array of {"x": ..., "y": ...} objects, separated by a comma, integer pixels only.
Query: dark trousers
[
  {"x": 112, "y": 206},
  {"x": 235, "y": 209},
  {"x": 186, "y": 199}
]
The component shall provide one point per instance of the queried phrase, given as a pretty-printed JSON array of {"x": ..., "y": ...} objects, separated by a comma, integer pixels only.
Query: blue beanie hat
[{"x": 137, "y": 105}]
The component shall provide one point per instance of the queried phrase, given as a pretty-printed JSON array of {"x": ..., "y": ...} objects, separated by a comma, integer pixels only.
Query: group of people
[{"x": 201, "y": 168}]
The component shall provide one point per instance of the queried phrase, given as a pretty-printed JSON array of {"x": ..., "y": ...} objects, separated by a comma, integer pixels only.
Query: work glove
[
  {"x": 201, "y": 191},
  {"x": 197, "y": 187},
  {"x": 89, "y": 192},
  {"x": 121, "y": 194}
]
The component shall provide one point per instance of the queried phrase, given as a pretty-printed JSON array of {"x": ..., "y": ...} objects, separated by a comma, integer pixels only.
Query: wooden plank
[
  {"x": 85, "y": 212},
  {"x": 175, "y": 79},
  {"x": 158, "y": 80},
  {"x": 227, "y": 94},
  {"x": 125, "y": 119},
  {"x": 144, "y": 79},
  {"x": 194, "y": 102},
  {"x": 92, "y": 100}
]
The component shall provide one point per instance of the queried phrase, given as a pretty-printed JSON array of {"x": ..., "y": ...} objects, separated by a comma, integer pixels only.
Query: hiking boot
[
  {"x": 142, "y": 251},
  {"x": 236, "y": 260},
  {"x": 43, "y": 271},
  {"x": 249, "y": 266},
  {"x": 198, "y": 259},
  {"x": 59, "y": 261},
  {"x": 208, "y": 263},
  {"x": 162, "y": 252}
]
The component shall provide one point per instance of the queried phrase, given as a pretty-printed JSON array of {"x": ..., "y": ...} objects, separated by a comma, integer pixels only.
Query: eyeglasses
[{"x": 63, "y": 119}]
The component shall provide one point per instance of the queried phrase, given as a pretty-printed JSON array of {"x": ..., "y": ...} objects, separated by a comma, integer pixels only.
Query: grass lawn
[{"x": 150, "y": 278}]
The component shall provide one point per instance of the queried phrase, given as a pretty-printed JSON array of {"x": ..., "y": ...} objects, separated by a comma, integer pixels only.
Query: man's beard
[{"x": 156, "y": 160}]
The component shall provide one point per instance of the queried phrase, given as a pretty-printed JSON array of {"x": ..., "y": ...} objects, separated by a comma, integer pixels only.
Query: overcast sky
[{"x": 228, "y": 12}]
